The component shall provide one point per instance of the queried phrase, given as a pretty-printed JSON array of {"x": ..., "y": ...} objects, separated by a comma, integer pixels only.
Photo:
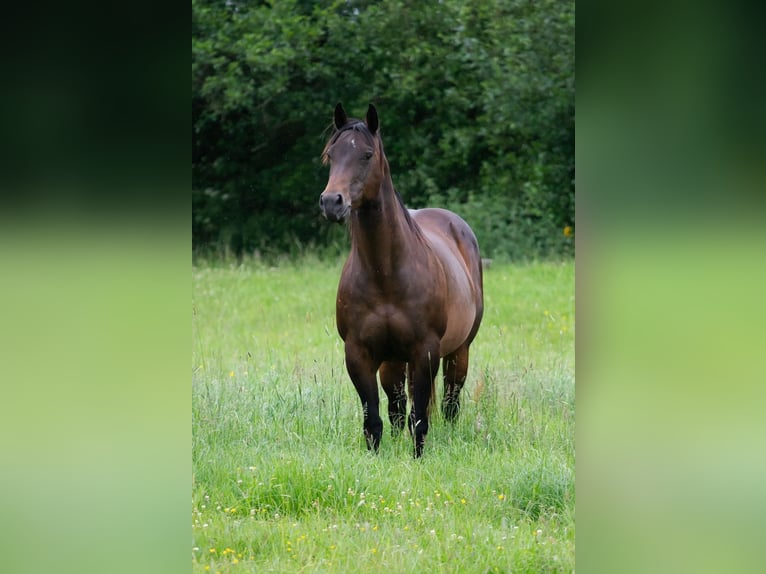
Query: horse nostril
[{"x": 330, "y": 201}]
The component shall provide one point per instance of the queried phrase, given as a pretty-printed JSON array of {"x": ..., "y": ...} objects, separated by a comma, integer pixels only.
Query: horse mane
[{"x": 360, "y": 126}]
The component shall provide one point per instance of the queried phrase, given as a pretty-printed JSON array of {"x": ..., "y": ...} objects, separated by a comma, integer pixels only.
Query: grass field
[{"x": 283, "y": 482}]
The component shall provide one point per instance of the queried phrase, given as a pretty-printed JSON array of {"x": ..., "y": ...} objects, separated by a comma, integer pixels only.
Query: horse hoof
[
  {"x": 373, "y": 442},
  {"x": 450, "y": 411}
]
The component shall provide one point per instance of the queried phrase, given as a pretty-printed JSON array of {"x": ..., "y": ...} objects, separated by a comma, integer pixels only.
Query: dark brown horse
[{"x": 411, "y": 289}]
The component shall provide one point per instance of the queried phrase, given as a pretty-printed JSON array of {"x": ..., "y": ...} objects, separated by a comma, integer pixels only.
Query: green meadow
[{"x": 282, "y": 480}]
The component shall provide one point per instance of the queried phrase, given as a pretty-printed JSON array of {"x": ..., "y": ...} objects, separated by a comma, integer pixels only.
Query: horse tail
[
  {"x": 432, "y": 396},
  {"x": 432, "y": 400}
]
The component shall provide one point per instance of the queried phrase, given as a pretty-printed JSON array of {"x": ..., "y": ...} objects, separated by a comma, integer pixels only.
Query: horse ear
[
  {"x": 372, "y": 119},
  {"x": 340, "y": 116}
]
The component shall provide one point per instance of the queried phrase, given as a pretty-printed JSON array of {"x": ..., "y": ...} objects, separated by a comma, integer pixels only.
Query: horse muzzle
[{"x": 333, "y": 207}]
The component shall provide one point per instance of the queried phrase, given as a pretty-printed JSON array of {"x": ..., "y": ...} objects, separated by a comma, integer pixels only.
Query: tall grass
[{"x": 283, "y": 482}]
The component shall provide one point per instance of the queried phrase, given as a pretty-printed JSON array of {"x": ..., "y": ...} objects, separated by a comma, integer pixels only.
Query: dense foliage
[{"x": 476, "y": 101}]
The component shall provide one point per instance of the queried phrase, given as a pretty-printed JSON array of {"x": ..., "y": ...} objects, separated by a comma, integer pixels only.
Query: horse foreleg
[
  {"x": 362, "y": 369},
  {"x": 455, "y": 369},
  {"x": 422, "y": 374},
  {"x": 392, "y": 377}
]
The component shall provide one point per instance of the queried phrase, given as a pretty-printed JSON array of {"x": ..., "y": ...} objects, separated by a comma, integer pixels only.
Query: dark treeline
[{"x": 476, "y": 101}]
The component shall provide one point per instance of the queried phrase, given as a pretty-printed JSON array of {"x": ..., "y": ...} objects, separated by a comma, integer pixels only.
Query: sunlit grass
[{"x": 282, "y": 480}]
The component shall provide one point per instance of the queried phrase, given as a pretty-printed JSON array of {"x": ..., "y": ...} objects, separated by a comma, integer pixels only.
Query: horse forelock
[{"x": 351, "y": 124}]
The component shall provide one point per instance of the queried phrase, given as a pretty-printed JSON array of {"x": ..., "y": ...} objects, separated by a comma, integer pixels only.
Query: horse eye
[{"x": 368, "y": 154}]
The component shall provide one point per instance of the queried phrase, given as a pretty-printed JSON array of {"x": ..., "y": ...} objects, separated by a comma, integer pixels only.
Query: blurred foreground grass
[
  {"x": 94, "y": 340},
  {"x": 671, "y": 398}
]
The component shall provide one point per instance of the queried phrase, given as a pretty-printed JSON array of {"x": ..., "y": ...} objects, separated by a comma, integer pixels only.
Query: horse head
[{"x": 356, "y": 170}]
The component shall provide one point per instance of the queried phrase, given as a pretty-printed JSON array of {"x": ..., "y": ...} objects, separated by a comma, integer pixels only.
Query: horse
[{"x": 411, "y": 290}]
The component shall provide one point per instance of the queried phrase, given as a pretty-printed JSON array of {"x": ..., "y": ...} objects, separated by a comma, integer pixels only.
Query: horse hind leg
[
  {"x": 392, "y": 377},
  {"x": 455, "y": 370}
]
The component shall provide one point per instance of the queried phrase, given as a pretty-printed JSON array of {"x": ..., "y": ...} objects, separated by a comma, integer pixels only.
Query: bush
[{"x": 476, "y": 103}]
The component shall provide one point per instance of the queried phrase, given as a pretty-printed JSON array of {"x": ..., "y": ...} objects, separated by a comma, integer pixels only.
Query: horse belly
[
  {"x": 460, "y": 303},
  {"x": 461, "y": 314}
]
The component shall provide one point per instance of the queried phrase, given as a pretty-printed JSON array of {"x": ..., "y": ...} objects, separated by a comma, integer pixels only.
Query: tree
[{"x": 476, "y": 101}]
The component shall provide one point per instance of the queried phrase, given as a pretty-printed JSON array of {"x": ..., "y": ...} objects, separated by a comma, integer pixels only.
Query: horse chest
[{"x": 387, "y": 331}]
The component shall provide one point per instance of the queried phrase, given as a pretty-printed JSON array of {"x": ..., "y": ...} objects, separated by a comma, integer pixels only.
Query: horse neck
[{"x": 381, "y": 232}]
